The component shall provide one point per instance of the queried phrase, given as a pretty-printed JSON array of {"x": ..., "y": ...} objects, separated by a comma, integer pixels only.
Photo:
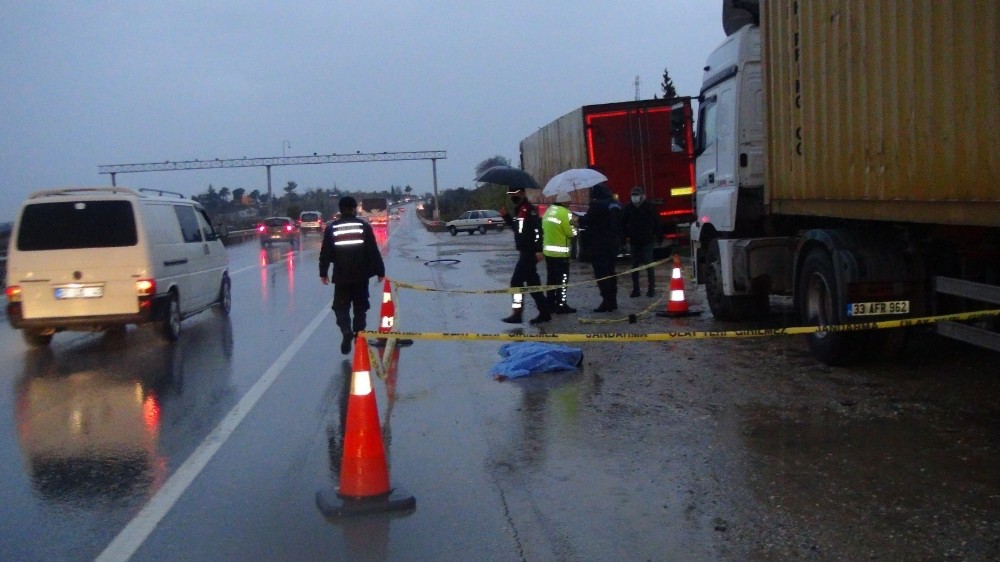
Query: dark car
[{"x": 277, "y": 229}]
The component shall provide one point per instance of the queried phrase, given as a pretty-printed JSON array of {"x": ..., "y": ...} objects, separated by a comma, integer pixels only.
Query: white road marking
[{"x": 135, "y": 533}]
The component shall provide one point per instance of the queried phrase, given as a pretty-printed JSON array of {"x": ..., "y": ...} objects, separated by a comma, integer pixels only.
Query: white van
[{"x": 100, "y": 258}]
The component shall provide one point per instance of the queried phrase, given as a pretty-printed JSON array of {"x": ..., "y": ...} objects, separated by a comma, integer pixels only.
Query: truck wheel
[
  {"x": 741, "y": 307},
  {"x": 36, "y": 338},
  {"x": 819, "y": 305},
  {"x": 452, "y": 230},
  {"x": 171, "y": 327}
]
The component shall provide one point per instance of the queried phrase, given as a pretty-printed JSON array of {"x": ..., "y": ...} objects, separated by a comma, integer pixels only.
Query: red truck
[{"x": 646, "y": 143}]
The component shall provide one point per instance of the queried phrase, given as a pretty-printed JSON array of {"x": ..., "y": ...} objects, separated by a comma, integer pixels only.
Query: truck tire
[
  {"x": 741, "y": 307},
  {"x": 819, "y": 305}
]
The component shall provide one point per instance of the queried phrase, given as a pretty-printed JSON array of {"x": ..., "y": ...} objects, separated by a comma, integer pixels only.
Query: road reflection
[{"x": 90, "y": 420}]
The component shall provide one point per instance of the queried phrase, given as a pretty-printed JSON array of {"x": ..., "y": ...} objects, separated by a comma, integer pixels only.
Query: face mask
[
  {"x": 515, "y": 199},
  {"x": 636, "y": 199}
]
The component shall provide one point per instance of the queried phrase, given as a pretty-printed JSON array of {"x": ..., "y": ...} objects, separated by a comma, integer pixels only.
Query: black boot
[
  {"x": 514, "y": 318},
  {"x": 635, "y": 292},
  {"x": 345, "y": 344},
  {"x": 605, "y": 306},
  {"x": 543, "y": 316}
]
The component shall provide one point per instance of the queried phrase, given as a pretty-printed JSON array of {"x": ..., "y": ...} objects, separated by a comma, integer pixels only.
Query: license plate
[
  {"x": 878, "y": 308},
  {"x": 88, "y": 292}
]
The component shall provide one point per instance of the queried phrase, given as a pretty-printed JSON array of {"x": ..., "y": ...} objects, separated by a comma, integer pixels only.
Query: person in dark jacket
[
  {"x": 642, "y": 228},
  {"x": 349, "y": 244},
  {"x": 527, "y": 227},
  {"x": 603, "y": 228}
]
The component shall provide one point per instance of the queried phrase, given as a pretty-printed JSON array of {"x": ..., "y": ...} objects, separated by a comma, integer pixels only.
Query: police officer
[
  {"x": 603, "y": 224},
  {"x": 527, "y": 227},
  {"x": 557, "y": 233},
  {"x": 349, "y": 244}
]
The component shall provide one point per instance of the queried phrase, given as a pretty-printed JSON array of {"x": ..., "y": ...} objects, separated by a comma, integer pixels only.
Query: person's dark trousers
[
  {"x": 345, "y": 297},
  {"x": 642, "y": 254},
  {"x": 556, "y": 273},
  {"x": 526, "y": 275},
  {"x": 603, "y": 267}
]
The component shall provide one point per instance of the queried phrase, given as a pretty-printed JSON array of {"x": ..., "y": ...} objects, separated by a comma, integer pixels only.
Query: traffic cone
[
  {"x": 364, "y": 474},
  {"x": 387, "y": 317},
  {"x": 677, "y": 305}
]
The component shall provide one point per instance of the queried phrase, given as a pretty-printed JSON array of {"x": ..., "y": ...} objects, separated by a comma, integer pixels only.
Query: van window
[
  {"x": 189, "y": 223},
  {"x": 76, "y": 224}
]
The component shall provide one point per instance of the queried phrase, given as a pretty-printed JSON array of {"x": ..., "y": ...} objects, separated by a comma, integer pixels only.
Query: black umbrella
[{"x": 513, "y": 178}]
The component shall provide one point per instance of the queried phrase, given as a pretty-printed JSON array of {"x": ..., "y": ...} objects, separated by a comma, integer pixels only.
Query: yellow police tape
[
  {"x": 515, "y": 290},
  {"x": 691, "y": 335}
]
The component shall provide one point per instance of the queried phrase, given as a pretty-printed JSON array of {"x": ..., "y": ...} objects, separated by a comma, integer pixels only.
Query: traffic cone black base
[
  {"x": 335, "y": 506},
  {"x": 689, "y": 312},
  {"x": 380, "y": 343}
]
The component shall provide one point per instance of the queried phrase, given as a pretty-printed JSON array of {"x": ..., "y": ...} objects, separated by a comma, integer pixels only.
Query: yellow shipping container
[{"x": 885, "y": 109}]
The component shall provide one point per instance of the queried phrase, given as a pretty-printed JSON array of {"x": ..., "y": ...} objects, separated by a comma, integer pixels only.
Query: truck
[
  {"x": 375, "y": 210},
  {"x": 647, "y": 143},
  {"x": 848, "y": 157}
]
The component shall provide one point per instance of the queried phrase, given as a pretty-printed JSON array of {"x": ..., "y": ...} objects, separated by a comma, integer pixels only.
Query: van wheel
[
  {"x": 172, "y": 319},
  {"x": 482, "y": 229},
  {"x": 225, "y": 297},
  {"x": 36, "y": 338},
  {"x": 452, "y": 230}
]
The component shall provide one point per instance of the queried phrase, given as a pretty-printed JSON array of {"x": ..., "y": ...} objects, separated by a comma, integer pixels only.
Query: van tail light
[
  {"x": 145, "y": 290},
  {"x": 14, "y": 293},
  {"x": 288, "y": 227}
]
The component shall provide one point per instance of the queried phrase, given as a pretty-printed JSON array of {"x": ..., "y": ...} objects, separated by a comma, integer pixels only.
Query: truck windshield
[{"x": 76, "y": 224}]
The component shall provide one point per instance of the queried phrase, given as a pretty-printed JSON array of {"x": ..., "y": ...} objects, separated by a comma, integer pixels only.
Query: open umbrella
[
  {"x": 513, "y": 178},
  {"x": 573, "y": 179}
]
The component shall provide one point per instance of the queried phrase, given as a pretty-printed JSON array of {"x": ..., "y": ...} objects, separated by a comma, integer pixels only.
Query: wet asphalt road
[{"x": 692, "y": 450}]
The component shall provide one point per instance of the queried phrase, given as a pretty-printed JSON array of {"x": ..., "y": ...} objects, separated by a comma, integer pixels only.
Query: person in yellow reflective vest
[{"x": 557, "y": 235}]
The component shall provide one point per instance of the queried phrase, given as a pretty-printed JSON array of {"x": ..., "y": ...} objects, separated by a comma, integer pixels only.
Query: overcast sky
[{"x": 86, "y": 83}]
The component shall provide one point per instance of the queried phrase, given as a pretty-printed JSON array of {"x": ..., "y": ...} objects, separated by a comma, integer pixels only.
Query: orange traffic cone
[
  {"x": 677, "y": 305},
  {"x": 364, "y": 475},
  {"x": 387, "y": 317}
]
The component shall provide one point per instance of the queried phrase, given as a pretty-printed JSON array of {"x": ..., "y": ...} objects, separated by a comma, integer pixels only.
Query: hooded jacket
[{"x": 603, "y": 222}]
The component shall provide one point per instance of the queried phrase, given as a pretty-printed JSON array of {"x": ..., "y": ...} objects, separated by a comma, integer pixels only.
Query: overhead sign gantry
[{"x": 167, "y": 166}]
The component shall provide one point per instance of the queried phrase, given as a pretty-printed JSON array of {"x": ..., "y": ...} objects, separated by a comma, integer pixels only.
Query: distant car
[
  {"x": 479, "y": 221},
  {"x": 311, "y": 221},
  {"x": 277, "y": 229}
]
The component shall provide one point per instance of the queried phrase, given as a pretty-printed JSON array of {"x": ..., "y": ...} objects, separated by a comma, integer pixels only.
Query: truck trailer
[
  {"x": 647, "y": 143},
  {"x": 848, "y": 156}
]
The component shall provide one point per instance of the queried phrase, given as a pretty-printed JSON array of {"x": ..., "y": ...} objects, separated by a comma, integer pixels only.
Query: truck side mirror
[{"x": 678, "y": 134}]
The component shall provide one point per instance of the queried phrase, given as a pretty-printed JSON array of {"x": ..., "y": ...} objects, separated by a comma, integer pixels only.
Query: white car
[{"x": 479, "y": 221}]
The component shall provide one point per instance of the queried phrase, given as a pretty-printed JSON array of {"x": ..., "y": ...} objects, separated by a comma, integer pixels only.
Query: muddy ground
[{"x": 775, "y": 456}]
